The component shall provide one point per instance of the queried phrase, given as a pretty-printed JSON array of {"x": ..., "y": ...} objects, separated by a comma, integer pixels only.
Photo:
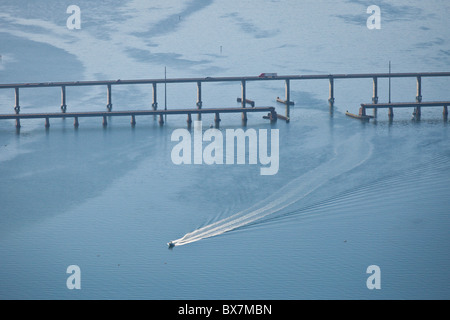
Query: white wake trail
[{"x": 348, "y": 155}]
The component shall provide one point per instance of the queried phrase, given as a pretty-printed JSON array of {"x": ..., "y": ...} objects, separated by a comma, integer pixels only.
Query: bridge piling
[
  {"x": 375, "y": 95},
  {"x": 417, "y": 110},
  {"x": 217, "y": 120},
  {"x": 199, "y": 95},
  {"x": 189, "y": 120},
  {"x": 63, "y": 99},
  {"x": 331, "y": 99},
  {"x": 17, "y": 98},
  {"x": 199, "y": 103},
  {"x": 287, "y": 86},
  {"x": 108, "y": 98},
  {"x": 243, "y": 100},
  {"x": 17, "y": 105},
  {"x": 155, "y": 97},
  {"x": 419, "y": 89},
  {"x": 391, "y": 113}
]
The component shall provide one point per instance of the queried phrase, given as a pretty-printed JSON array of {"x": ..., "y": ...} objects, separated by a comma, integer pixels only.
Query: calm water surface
[{"x": 347, "y": 195}]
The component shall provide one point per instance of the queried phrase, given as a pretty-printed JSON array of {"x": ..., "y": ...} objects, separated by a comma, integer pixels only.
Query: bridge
[{"x": 287, "y": 79}]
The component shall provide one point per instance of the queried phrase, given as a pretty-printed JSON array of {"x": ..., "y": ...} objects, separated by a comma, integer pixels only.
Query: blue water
[{"x": 347, "y": 195}]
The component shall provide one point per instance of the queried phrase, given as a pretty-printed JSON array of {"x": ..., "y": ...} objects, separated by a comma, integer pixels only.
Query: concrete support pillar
[
  {"x": 161, "y": 119},
  {"x": 243, "y": 101},
  {"x": 133, "y": 121},
  {"x": 63, "y": 99},
  {"x": 17, "y": 98},
  {"x": 419, "y": 89},
  {"x": 105, "y": 121},
  {"x": 417, "y": 113},
  {"x": 76, "y": 124},
  {"x": 391, "y": 113},
  {"x": 445, "y": 113},
  {"x": 47, "y": 123},
  {"x": 155, "y": 97},
  {"x": 375, "y": 95},
  {"x": 189, "y": 120},
  {"x": 199, "y": 99},
  {"x": 417, "y": 110},
  {"x": 287, "y": 86},
  {"x": 199, "y": 95},
  {"x": 217, "y": 119},
  {"x": 331, "y": 96},
  {"x": 362, "y": 111},
  {"x": 108, "y": 98}
]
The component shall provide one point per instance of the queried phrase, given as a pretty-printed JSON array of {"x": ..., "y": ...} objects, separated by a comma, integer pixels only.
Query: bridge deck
[
  {"x": 406, "y": 104},
  {"x": 133, "y": 113},
  {"x": 272, "y": 114},
  {"x": 225, "y": 79}
]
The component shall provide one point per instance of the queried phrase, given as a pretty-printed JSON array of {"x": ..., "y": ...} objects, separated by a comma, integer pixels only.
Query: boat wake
[{"x": 348, "y": 155}]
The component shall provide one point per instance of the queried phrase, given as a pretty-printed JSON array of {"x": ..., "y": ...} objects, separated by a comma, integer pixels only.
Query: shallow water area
[{"x": 348, "y": 194}]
